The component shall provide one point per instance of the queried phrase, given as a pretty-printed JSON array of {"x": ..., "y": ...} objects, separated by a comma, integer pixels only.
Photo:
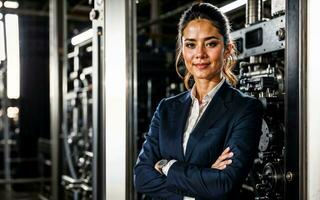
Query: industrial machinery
[
  {"x": 77, "y": 130},
  {"x": 261, "y": 47}
]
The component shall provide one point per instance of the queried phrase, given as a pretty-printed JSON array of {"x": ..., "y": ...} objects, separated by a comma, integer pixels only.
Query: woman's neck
[{"x": 203, "y": 87}]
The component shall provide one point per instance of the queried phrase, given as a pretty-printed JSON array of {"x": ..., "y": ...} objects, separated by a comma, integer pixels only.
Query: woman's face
[{"x": 203, "y": 50}]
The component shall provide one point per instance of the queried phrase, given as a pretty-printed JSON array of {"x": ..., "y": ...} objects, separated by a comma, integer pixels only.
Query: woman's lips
[{"x": 202, "y": 65}]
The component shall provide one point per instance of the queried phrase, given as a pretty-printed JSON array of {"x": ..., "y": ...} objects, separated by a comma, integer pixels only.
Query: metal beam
[
  {"x": 24, "y": 12},
  {"x": 295, "y": 101},
  {"x": 132, "y": 99},
  {"x": 57, "y": 36},
  {"x": 119, "y": 99},
  {"x": 98, "y": 97}
]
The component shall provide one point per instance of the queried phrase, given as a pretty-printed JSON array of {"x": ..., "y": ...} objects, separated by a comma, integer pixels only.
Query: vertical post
[
  {"x": 57, "y": 17},
  {"x": 254, "y": 15},
  {"x": 120, "y": 102},
  {"x": 98, "y": 97},
  {"x": 295, "y": 101},
  {"x": 303, "y": 105},
  {"x": 6, "y": 133},
  {"x": 132, "y": 98},
  {"x": 253, "y": 11},
  {"x": 155, "y": 29},
  {"x": 6, "y": 137}
]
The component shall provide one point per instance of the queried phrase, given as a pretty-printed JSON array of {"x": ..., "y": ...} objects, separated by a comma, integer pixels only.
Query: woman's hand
[
  {"x": 223, "y": 160},
  {"x": 157, "y": 167}
]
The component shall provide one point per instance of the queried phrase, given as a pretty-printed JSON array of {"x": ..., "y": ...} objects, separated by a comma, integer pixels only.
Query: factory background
[{"x": 80, "y": 80}]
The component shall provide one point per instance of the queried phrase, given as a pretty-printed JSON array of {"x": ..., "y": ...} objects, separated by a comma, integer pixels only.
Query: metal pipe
[
  {"x": 154, "y": 11},
  {"x": 253, "y": 15},
  {"x": 58, "y": 61},
  {"x": 253, "y": 11},
  {"x": 295, "y": 86},
  {"x": 29, "y": 12},
  {"x": 132, "y": 96},
  {"x": 98, "y": 99}
]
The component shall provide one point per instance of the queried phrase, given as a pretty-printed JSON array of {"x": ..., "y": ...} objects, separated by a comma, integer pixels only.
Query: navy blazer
[{"x": 232, "y": 119}]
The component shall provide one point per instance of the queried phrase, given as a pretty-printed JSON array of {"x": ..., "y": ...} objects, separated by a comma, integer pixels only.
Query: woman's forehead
[{"x": 200, "y": 28}]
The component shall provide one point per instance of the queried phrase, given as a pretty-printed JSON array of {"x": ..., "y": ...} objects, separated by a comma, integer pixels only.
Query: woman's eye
[
  {"x": 190, "y": 45},
  {"x": 211, "y": 44}
]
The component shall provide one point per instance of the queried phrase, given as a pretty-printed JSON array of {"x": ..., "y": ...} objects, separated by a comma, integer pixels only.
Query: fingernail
[
  {"x": 231, "y": 154},
  {"x": 230, "y": 161}
]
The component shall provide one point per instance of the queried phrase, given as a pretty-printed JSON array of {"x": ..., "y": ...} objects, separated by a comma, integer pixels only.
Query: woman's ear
[{"x": 228, "y": 50}]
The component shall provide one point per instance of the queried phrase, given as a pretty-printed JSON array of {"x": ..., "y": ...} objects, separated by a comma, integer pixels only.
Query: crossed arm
[{"x": 186, "y": 179}]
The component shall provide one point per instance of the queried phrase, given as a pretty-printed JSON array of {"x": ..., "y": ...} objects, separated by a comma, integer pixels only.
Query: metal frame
[
  {"x": 72, "y": 178},
  {"x": 41, "y": 13},
  {"x": 303, "y": 138},
  {"x": 58, "y": 59},
  {"x": 295, "y": 102},
  {"x": 98, "y": 96},
  {"x": 132, "y": 99},
  {"x": 120, "y": 98}
]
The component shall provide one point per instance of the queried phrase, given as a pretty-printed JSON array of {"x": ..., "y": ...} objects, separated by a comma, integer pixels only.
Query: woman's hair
[{"x": 220, "y": 21}]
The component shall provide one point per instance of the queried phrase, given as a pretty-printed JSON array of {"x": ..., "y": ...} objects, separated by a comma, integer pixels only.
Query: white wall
[{"x": 313, "y": 103}]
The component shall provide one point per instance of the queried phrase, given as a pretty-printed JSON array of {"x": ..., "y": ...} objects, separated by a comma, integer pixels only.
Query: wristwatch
[{"x": 161, "y": 164}]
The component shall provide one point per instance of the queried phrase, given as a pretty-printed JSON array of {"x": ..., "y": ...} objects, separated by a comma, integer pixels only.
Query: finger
[
  {"x": 226, "y": 150},
  {"x": 222, "y": 166},
  {"x": 156, "y": 167},
  {"x": 222, "y": 159},
  {"x": 224, "y": 163},
  {"x": 225, "y": 156},
  {"x": 218, "y": 165}
]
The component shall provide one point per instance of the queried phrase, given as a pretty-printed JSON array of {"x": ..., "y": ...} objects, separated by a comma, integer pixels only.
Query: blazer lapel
[
  {"x": 214, "y": 111},
  {"x": 181, "y": 113}
]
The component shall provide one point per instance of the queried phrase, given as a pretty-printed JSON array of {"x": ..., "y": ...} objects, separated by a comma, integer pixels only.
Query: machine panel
[{"x": 260, "y": 38}]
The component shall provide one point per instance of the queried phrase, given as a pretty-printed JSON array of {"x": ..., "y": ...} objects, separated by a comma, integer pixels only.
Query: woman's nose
[{"x": 201, "y": 52}]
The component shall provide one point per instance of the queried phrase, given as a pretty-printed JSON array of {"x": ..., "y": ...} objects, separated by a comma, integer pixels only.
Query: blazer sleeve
[
  {"x": 207, "y": 183},
  {"x": 146, "y": 179}
]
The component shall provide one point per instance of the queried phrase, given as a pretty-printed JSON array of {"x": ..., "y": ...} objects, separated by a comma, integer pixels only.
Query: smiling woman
[
  {"x": 214, "y": 31},
  {"x": 203, "y": 51},
  {"x": 209, "y": 150}
]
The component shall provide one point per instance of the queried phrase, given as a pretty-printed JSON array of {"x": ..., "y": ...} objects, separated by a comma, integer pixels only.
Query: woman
[{"x": 201, "y": 143}]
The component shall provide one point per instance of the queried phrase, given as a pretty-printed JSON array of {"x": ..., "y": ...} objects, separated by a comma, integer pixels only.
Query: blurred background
[{"x": 80, "y": 80}]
